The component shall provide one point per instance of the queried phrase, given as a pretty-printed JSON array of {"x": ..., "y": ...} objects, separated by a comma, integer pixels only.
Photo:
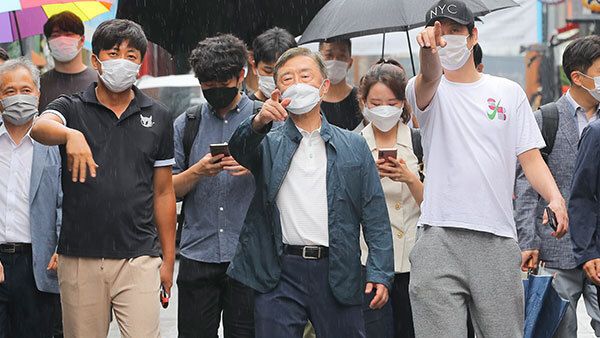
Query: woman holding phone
[{"x": 390, "y": 140}]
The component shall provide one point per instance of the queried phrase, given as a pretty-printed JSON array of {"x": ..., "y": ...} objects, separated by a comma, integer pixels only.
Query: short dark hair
[
  {"x": 219, "y": 58},
  {"x": 477, "y": 55},
  {"x": 113, "y": 32},
  {"x": 66, "y": 21},
  {"x": 273, "y": 42},
  {"x": 345, "y": 41},
  {"x": 3, "y": 54},
  {"x": 580, "y": 54}
]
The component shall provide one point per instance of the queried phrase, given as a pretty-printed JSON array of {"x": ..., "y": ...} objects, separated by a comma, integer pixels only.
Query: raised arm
[
  {"x": 49, "y": 129},
  {"x": 430, "y": 72}
]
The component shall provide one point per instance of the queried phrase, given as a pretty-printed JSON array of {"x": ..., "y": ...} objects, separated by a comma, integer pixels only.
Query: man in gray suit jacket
[
  {"x": 577, "y": 108},
  {"x": 30, "y": 209}
]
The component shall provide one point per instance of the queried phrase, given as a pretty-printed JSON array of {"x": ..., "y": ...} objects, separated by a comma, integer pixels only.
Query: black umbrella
[
  {"x": 178, "y": 25},
  {"x": 344, "y": 19}
]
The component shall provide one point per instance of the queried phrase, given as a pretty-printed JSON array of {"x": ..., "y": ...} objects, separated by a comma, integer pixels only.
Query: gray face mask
[{"x": 19, "y": 109}]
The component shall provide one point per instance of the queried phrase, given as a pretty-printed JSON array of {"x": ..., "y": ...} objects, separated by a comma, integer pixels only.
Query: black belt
[
  {"x": 11, "y": 248},
  {"x": 307, "y": 251}
]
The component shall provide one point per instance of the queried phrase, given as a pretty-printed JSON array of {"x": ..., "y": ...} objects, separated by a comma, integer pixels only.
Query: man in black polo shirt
[{"x": 118, "y": 146}]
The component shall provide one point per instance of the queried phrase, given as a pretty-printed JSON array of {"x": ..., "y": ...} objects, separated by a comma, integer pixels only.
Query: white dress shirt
[
  {"x": 15, "y": 179},
  {"x": 302, "y": 198}
]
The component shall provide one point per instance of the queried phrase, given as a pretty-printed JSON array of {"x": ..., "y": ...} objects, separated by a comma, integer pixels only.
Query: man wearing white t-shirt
[{"x": 474, "y": 127}]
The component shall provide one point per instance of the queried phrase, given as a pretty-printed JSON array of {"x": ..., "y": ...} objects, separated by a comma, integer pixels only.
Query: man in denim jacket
[{"x": 315, "y": 186}]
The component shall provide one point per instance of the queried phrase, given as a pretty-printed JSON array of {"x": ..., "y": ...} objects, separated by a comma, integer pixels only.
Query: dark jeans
[
  {"x": 204, "y": 291},
  {"x": 303, "y": 292},
  {"x": 25, "y": 312}
]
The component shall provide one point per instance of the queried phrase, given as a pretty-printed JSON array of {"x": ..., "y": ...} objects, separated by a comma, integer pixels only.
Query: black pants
[
  {"x": 401, "y": 311},
  {"x": 25, "y": 312},
  {"x": 204, "y": 292}
]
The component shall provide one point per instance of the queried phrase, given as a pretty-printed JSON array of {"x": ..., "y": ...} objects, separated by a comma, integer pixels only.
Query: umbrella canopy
[
  {"x": 178, "y": 25},
  {"x": 344, "y": 19},
  {"x": 544, "y": 308},
  {"x": 29, "y": 19}
]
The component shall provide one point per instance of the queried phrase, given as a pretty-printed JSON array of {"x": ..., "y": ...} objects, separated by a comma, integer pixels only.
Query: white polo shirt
[
  {"x": 302, "y": 197},
  {"x": 472, "y": 135}
]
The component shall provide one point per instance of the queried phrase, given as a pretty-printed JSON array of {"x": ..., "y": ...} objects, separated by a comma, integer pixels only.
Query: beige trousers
[{"x": 89, "y": 286}]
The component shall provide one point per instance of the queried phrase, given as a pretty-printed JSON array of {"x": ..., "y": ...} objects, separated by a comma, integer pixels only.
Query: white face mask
[
  {"x": 64, "y": 48},
  {"x": 336, "y": 70},
  {"x": 118, "y": 75},
  {"x": 596, "y": 91},
  {"x": 456, "y": 53},
  {"x": 304, "y": 97},
  {"x": 383, "y": 117},
  {"x": 266, "y": 85}
]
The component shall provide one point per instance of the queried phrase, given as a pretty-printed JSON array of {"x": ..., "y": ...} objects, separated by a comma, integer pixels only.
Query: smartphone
[
  {"x": 384, "y": 153},
  {"x": 164, "y": 297},
  {"x": 551, "y": 219},
  {"x": 219, "y": 148}
]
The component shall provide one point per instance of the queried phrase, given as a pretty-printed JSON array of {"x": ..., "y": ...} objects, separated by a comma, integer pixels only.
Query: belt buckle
[
  {"x": 305, "y": 256},
  {"x": 12, "y": 248}
]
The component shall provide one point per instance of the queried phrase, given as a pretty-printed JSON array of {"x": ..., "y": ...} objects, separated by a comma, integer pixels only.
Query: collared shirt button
[
  {"x": 221, "y": 230},
  {"x": 400, "y": 234},
  {"x": 226, "y": 121},
  {"x": 238, "y": 109},
  {"x": 398, "y": 206},
  {"x": 221, "y": 208}
]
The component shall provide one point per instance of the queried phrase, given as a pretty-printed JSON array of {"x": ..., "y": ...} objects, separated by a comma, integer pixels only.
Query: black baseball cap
[{"x": 454, "y": 10}]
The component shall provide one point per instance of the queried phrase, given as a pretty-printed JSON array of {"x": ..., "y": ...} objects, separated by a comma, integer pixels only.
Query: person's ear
[
  {"x": 474, "y": 37},
  {"x": 576, "y": 78},
  {"x": 480, "y": 68},
  {"x": 252, "y": 65},
  {"x": 241, "y": 76},
  {"x": 95, "y": 63},
  {"x": 81, "y": 42},
  {"x": 350, "y": 63},
  {"x": 326, "y": 85}
]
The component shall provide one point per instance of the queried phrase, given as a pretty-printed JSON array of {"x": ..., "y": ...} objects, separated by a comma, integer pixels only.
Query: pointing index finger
[{"x": 275, "y": 95}]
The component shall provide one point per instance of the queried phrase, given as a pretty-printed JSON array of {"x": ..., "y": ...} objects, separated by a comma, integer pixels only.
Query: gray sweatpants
[{"x": 452, "y": 269}]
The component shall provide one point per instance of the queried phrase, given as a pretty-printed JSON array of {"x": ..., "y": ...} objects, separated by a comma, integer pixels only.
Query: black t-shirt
[
  {"x": 344, "y": 114},
  {"x": 53, "y": 84},
  {"x": 111, "y": 215}
]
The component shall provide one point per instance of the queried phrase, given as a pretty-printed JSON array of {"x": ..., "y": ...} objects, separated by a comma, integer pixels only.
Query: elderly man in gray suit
[
  {"x": 30, "y": 209},
  {"x": 576, "y": 109}
]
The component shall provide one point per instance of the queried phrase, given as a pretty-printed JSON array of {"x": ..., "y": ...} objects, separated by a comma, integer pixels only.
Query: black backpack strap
[
  {"x": 192, "y": 123},
  {"x": 257, "y": 107},
  {"x": 549, "y": 127},
  {"x": 415, "y": 136}
]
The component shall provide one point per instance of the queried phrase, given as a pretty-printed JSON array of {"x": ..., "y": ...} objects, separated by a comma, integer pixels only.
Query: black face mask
[{"x": 220, "y": 97}]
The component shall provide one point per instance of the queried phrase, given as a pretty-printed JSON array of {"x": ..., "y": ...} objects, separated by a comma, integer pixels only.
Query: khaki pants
[{"x": 89, "y": 286}]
